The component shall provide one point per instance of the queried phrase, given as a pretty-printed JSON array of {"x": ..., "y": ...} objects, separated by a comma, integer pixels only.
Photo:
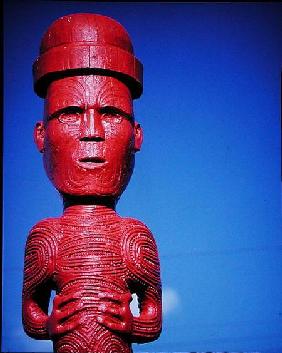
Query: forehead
[{"x": 88, "y": 90}]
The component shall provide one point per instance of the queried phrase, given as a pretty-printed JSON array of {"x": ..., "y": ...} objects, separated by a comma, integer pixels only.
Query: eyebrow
[
  {"x": 79, "y": 109},
  {"x": 68, "y": 109},
  {"x": 112, "y": 109}
]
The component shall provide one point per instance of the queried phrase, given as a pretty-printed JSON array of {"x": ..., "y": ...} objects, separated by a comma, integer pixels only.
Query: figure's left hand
[{"x": 115, "y": 312}]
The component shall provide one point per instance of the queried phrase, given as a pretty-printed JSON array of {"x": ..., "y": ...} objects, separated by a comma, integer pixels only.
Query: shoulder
[
  {"x": 136, "y": 232},
  {"x": 48, "y": 225},
  {"x": 47, "y": 228},
  {"x": 134, "y": 226},
  {"x": 140, "y": 251},
  {"x": 43, "y": 236},
  {"x": 40, "y": 252}
]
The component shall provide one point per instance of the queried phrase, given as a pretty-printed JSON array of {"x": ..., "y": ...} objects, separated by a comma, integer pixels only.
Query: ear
[
  {"x": 138, "y": 134},
  {"x": 39, "y": 136}
]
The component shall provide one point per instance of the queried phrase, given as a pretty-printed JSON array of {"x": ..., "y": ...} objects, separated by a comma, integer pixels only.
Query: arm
[
  {"x": 147, "y": 327},
  {"x": 38, "y": 270},
  {"x": 140, "y": 251},
  {"x": 115, "y": 314}
]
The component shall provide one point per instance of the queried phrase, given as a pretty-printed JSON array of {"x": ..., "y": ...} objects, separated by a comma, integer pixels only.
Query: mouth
[{"x": 91, "y": 162}]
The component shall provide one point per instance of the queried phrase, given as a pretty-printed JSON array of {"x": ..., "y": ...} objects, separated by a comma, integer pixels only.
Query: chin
[
  {"x": 102, "y": 182},
  {"x": 92, "y": 188}
]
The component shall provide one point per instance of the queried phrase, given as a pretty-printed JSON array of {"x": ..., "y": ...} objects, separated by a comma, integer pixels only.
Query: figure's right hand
[{"x": 63, "y": 318}]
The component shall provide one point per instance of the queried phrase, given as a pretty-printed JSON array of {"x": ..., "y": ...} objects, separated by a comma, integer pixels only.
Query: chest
[{"x": 91, "y": 248}]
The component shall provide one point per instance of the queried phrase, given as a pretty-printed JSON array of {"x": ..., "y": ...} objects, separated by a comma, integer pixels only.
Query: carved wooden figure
[{"x": 93, "y": 258}]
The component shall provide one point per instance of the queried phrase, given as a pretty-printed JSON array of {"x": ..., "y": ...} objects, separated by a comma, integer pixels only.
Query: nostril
[{"x": 92, "y": 138}]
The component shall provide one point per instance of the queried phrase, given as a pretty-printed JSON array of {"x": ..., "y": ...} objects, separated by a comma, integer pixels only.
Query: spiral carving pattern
[
  {"x": 79, "y": 253},
  {"x": 72, "y": 343},
  {"x": 40, "y": 253},
  {"x": 112, "y": 344},
  {"x": 140, "y": 253}
]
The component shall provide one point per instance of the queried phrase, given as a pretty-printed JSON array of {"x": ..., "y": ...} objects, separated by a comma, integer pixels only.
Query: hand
[
  {"x": 62, "y": 318},
  {"x": 115, "y": 312}
]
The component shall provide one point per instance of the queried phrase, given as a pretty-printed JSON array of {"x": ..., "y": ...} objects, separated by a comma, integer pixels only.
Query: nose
[{"x": 92, "y": 127}]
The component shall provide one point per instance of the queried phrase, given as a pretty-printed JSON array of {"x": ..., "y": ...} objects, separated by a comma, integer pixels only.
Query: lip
[{"x": 91, "y": 162}]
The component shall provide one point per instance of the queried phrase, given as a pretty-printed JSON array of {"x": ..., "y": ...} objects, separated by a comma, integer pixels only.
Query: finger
[
  {"x": 61, "y": 300},
  {"x": 67, "y": 327},
  {"x": 116, "y": 297},
  {"x": 111, "y": 309},
  {"x": 113, "y": 324},
  {"x": 67, "y": 313}
]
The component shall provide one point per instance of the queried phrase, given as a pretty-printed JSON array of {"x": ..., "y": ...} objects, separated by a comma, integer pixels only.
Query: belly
[
  {"x": 95, "y": 340},
  {"x": 88, "y": 274}
]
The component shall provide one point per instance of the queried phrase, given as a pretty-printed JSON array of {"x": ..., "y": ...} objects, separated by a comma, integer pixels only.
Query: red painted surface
[{"x": 93, "y": 258}]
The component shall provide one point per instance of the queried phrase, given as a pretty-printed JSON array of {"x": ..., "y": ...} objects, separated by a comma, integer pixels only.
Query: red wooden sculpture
[{"x": 93, "y": 258}]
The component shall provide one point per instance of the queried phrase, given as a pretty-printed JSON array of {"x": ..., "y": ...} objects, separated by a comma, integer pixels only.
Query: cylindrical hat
[{"x": 87, "y": 43}]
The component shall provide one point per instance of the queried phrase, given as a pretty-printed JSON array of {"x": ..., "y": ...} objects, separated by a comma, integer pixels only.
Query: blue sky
[{"x": 206, "y": 182}]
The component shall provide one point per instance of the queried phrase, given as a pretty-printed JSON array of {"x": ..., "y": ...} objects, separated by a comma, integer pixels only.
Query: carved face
[{"x": 88, "y": 137}]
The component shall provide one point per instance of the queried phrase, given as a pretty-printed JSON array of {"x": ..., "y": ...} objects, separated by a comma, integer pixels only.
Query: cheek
[
  {"x": 120, "y": 139},
  {"x": 56, "y": 131},
  {"x": 59, "y": 147},
  {"x": 59, "y": 138}
]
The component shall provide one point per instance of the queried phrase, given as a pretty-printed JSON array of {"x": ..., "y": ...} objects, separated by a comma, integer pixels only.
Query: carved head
[{"x": 88, "y": 75}]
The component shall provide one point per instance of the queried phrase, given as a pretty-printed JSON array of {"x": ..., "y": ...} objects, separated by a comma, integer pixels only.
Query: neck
[{"x": 88, "y": 202}]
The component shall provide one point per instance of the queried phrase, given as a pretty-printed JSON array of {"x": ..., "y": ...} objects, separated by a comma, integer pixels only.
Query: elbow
[
  {"x": 155, "y": 329},
  {"x": 148, "y": 336},
  {"x": 153, "y": 335},
  {"x": 34, "y": 323},
  {"x": 35, "y": 332},
  {"x": 29, "y": 331},
  {"x": 148, "y": 329},
  {"x": 155, "y": 315},
  {"x": 158, "y": 333}
]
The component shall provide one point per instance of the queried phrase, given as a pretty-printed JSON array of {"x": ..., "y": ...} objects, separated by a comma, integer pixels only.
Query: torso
[{"x": 89, "y": 259}]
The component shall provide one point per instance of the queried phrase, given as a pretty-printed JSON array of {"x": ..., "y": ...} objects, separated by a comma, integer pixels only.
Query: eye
[
  {"x": 70, "y": 115},
  {"x": 115, "y": 115},
  {"x": 111, "y": 114}
]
